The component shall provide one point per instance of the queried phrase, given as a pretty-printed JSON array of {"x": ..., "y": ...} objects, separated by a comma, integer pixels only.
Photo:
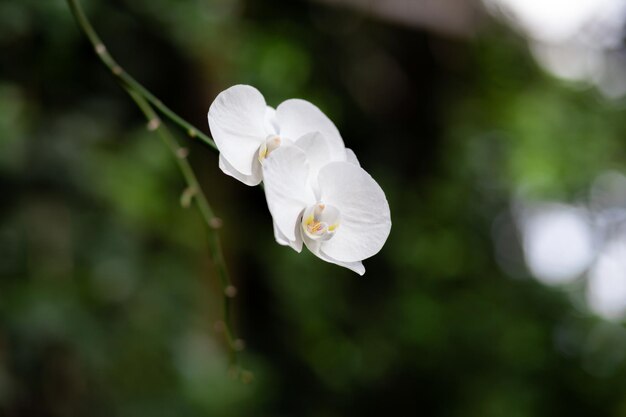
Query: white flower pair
[{"x": 315, "y": 189}]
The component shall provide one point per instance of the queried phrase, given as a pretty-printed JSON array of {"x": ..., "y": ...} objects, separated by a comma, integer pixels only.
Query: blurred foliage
[{"x": 108, "y": 298}]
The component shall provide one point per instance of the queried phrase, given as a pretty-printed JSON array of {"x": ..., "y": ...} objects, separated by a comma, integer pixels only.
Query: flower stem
[
  {"x": 147, "y": 103},
  {"x": 126, "y": 79}
]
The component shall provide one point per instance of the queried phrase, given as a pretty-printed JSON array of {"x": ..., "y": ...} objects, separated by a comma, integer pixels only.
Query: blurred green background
[{"x": 108, "y": 298}]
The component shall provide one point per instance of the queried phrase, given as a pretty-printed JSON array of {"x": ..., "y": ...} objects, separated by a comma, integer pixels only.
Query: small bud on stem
[{"x": 187, "y": 196}]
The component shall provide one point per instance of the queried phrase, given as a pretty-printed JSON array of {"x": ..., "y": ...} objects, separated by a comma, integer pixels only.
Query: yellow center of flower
[
  {"x": 320, "y": 221},
  {"x": 272, "y": 142}
]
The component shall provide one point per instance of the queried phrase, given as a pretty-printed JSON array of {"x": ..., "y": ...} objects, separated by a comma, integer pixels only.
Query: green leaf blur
[{"x": 108, "y": 299}]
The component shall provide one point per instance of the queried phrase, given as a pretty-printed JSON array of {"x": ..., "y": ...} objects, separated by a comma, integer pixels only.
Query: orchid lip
[
  {"x": 320, "y": 221},
  {"x": 271, "y": 143}
]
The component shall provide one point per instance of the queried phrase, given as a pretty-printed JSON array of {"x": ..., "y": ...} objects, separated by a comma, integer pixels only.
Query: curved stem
[
  {"x": 195, "y": 192},
  {"x": 145, "y": 101},
  {"x": 127, "y": 79}
]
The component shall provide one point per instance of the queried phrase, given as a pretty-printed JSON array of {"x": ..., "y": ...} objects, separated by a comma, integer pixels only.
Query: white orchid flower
[
  {"x": 317, "y": 156},
  {"x": 335, "y": 208},
  {"x": 246, "y": 130}
]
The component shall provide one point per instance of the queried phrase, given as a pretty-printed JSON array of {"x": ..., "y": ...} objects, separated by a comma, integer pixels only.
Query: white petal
[
  {"x": 270, "y": 121},
  {"x": 278, "y": 235},
  {"x": 316, "y": 149},
  {"x": 351, "y": 157},
  {"x": 317, "y": 153},
  {"x": 282, "y": 239},
  {"x": 237, "y": 122},
  {"x": 253, "y": 179},
  {"x": 365, "y": 218},
  {"x": 285, "y": 174},
  {"x": 353, "y": 266},
  {"x": 297, "y": 117},
  {"x": 314, "y": 247}
]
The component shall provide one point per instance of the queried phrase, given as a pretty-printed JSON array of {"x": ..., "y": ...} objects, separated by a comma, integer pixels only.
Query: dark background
[{"x": 108, "y": 296}]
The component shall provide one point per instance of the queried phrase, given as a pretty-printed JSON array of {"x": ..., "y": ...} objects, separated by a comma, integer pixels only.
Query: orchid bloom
[
  {"x": 335, "y": 208},
  {"x": 246, "y": 130}
]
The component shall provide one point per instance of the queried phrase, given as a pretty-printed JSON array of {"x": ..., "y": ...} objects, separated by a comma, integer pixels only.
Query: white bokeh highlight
[
  {"x": 575, "y": 40},
  {"x": 557, "y": 242},
  {"x": 585, "y": 243},
  {"x": 549, "y": 20},
  {"x": 606, "y": 288}
]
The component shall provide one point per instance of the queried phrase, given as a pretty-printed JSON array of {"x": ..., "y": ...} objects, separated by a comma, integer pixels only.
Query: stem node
[
  {"x": 239, "y": 345},
  {"x": 230, "y": 291},
  {"x": 154, "y": 124},
  {"x": 182, "y": 153},
  {"x": 215, "y": 223},
  {"x": 149, "y": 104}
]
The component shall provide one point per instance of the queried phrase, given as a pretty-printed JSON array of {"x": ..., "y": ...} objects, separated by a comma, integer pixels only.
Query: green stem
[
  {"x": 145, "y": 101},
  {"x": 215, "y": 247},
  {"x": 127, "y": 79}
]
